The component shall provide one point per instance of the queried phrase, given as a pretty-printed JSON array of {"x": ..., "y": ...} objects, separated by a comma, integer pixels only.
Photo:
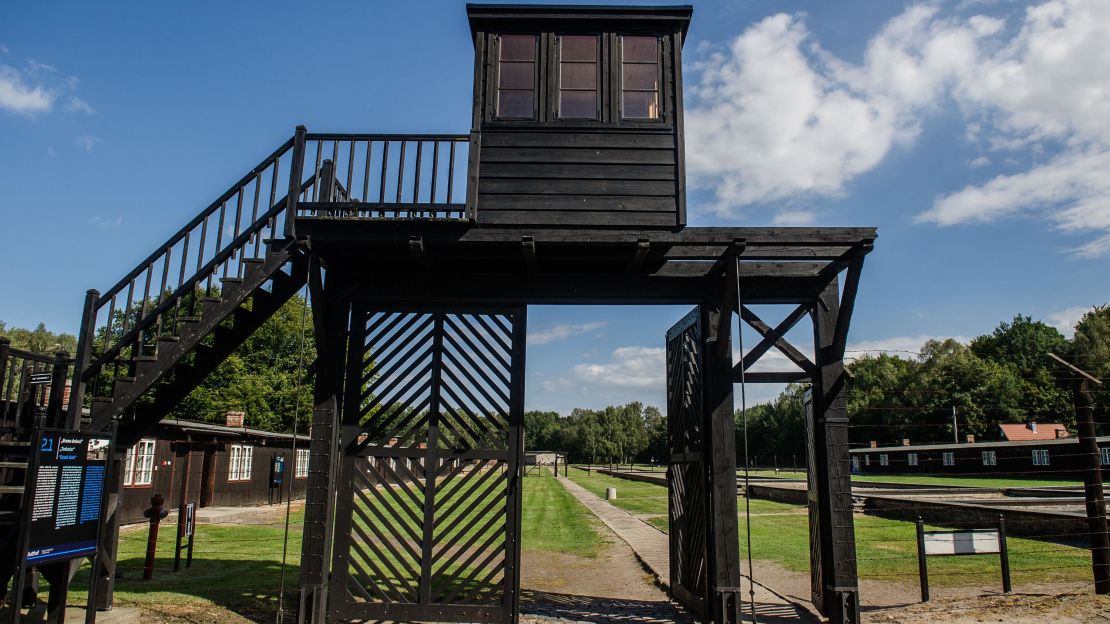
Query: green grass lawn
[
  {"x": 887, "y": 549},
  {"x": 238, "y": 566}
]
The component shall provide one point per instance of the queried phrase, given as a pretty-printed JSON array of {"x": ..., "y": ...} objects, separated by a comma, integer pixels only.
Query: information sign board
[
  {"x": 190, "y": 511},
  {"x": 39, "y": 379},
  {"x": 973, "y": 542},
  {"x": 66, "y": 495}
]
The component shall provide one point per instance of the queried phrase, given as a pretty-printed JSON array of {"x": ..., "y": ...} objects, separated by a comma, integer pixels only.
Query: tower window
[
  {"x": 640, "y": 77},
  {"x": 578, "y": 77},
  {"x": 516, "y": 79}
]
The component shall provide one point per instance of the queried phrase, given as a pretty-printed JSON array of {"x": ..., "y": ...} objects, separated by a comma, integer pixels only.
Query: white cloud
[
  {"x": 628, "y": 367},
  {"x": 86, "y": 142},
  {"x": 794, "y": 218},
  {"x": 35, "y": 67},
  {"x": 77, "y": 104},
  {"x": 556, "y": 333},
  {"x": 774, "y": 117},
  {"x": 4, "y": 49},
  {"x": 1065, "y": 320},
  {"x": 907, "y": 347},
  {"x": 19, "y": 97},
  {"x": 106, "y": 223}
]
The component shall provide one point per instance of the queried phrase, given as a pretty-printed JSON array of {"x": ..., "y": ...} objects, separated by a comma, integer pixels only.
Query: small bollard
[
  {"x": 155, "y": 513},
  {"x": 610, "y": 493}
]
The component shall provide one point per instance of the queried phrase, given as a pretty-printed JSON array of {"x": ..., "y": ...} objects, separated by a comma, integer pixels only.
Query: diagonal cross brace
[{"x": 773, "y": 337}]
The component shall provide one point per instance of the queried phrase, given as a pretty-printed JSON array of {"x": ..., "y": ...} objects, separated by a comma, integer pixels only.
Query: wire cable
[
  {"x": 296, "y": 419},
  {"x": 747, "y": 462}
]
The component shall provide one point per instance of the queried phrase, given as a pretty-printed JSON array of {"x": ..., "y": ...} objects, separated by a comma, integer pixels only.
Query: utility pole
[
  {"x": 955, "y": 427},
  {"x": 1092, "y": 480}
]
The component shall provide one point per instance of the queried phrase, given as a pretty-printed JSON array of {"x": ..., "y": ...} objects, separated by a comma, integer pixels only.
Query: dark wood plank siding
[{"x": 627, "y": 177}]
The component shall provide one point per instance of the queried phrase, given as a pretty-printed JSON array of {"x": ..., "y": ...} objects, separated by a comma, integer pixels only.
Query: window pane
[
  {"x": 578, "y": 75},
  {"x": 514, "y": 103},
  {"x": 578, "y": 104},
  {"x": 640, "y": 49},
  {"x": 518, "y": 47},
  {"x": 640, "y": 105},
  {"x": 578, "y": 48},
  {"x": 641, "y": 77},
  {"x": 517, "y": 76}
]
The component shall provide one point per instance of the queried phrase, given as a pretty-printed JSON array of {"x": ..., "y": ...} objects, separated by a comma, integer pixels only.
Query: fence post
[
  {"x": 86, "y": 334},
  {"x": 1003, "y": 554},
  {"x": 296, "y": 177},
  {"x": 922, "y": 566},
  {"x": 1092, "y": 488}
]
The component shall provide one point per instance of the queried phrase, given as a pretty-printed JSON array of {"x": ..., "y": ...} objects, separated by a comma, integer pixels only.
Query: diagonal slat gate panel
[
  {"x": 686, "y": 474},
  {"x": 427, "y": 514}
]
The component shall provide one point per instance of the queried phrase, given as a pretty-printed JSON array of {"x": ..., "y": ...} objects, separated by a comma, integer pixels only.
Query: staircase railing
[
  {"x": 213, "y": 247},
  {"x": 31, "y": 385},
  {"x": 387, "y": 176}
]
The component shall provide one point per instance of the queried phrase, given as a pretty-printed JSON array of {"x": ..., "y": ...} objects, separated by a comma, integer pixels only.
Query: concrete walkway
[{"x": 652, "y": 548}]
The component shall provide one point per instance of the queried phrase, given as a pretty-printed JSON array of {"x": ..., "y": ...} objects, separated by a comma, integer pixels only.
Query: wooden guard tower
[{"x": 422, "y": 253}]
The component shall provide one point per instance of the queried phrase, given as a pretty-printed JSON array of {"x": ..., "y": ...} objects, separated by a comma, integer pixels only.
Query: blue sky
[{"x": 974, "y": 134}]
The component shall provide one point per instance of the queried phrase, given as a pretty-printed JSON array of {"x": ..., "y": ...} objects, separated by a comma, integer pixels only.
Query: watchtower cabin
[
  {"x": 579, "y": 115},
  {"x": 421, "y": 253}
]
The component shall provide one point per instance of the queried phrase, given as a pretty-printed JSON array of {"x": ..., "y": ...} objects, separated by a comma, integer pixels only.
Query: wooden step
[
  {"x": 231, "y": 280},
  {"x": 13, "y": 465},
  {"x": 169, "y": 338}
]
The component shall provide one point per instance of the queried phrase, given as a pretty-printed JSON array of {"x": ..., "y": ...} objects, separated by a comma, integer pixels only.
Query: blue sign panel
[{"x": 65, "y": 502}]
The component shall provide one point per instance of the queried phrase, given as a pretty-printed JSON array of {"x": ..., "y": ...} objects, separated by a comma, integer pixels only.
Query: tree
[
  {"x": 1090, "y": 351},
  {"x": 1024, "y": 345},
  {"x": 39, "y": 340}
]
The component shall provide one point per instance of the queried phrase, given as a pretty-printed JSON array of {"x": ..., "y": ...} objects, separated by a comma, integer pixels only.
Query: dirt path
[{"x": 613, "y": 587}]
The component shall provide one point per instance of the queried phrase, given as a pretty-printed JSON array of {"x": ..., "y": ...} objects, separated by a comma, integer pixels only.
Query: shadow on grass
[{"x": 574, "y": 608}]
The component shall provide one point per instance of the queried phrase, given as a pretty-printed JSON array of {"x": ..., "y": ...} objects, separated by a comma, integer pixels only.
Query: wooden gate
[
  {"x": 687, "y": 473},
  {"x": 428, "y": 506}
]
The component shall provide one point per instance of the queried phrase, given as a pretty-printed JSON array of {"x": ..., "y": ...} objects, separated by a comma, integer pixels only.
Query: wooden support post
[
  {"x": 296, "y": 178},
  {"x": 329, "y": 316},
  {"x": 54, "y": 416},
  {"x": 84, "y": 352},
  {"x": 183, "y": 501},
  {"x": 724, "y": 599},
  {"x": 832, "y": 474}
]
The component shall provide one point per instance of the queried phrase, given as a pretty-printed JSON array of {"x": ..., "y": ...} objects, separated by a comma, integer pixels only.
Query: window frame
[
  {"x": 1041, "y": 457},
  {"x": 133, "y": 468},
  {"x": 1104, "y": 456},
  {"x": 618, "y": 79},
  {"x": 555, "y": 82},
  {"x": 538, "y": 78},
  {"x": 240, "y": 463},
  {"x": 911, "y": 459},
  {"x": 989, "y": 458},
  {"x": 300, "y": 463},
  {"x": 948, "y": 458},
  {"x": 866, "y": 460},
  {"x": 884, "y": 459}
]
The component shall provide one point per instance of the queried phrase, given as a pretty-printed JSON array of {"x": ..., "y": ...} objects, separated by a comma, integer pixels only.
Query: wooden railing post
[
  {"x": 296, "y": 176},
  {"x": 5, "y": 351},
  {"x": 57, "y": 389},
  {"x": 85, "y": 336}
]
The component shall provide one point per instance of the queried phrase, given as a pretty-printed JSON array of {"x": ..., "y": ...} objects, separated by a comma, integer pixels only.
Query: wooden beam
[
  {"x": 770, "y": 339},
  {"x": 780, "y": 343},
  {"x": 848, "y": 301},
  {"x": 772, "y": 376},
  {"x": 528, "y": 248},
  {"x": 416, "y": 248},
  {"x": 643, "y": 246}
]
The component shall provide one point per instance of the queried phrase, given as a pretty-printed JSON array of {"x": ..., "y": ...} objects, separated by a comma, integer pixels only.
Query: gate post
[
  {"x": 328, "y": 317},
  {"x": 724, "y": 601},
  {"x": 832, "y": 475}
]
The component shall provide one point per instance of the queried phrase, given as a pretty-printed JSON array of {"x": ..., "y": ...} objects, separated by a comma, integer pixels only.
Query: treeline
[
  {"x": 618, "y": 433},
  {"x": 1002, "y": 377},
  {"x": 39, "y": 339}
]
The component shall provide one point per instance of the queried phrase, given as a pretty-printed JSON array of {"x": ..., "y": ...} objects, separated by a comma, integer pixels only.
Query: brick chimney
[
  {"x": 905, "y": 441},
  {"x": 234, "y": 419},
  {"x": 1061, "y": 434},
  {"x": 874, "y": 444},
  {"x": 1032, "y": 426},
  {"x": 970, "y": 439}
]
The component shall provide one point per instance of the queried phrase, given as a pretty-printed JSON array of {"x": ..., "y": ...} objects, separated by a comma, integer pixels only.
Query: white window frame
[
  {"x": 911, "y": 459},
  {"x": 240, "y": 462},
  {"x": 300, "y": 467},
  {"x": 1040, "y": 457},
  {"x": 990, "y": 458},
  {"x": 948, "y": 458},
  {"x": 884, "y": 459},
  {"x": 138, "y": 470},
  {"x": 866, "y": 460},
  {"x": 855, "y": 464},
  {"x": 1104, "y": 456}
]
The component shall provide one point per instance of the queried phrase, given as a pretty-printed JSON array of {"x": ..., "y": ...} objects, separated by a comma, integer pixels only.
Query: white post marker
[{"x": 610, "y": 493}]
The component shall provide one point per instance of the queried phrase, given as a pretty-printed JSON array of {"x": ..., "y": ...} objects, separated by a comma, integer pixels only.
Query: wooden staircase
[{"x": 155, "y": 335}]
